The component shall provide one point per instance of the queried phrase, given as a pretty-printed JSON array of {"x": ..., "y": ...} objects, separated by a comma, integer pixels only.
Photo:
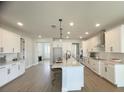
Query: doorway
[
  {"x": 75, "y": 50},
  {"x": 43, "y": 52}
]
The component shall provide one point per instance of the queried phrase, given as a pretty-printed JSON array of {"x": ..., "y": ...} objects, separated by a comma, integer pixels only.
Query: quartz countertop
[
  {"x": 7, "y": 63},
  {"x": 69, "y": 63},
  {"x": 109, "y": 61}
]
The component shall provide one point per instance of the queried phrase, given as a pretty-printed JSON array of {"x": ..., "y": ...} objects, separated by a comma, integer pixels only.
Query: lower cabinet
[
  {"x": 21, "y": 67},
  {"x": 11, "y": 71},
  {"x": 111, "y": 72},
  {"x": 108, "y": 72},
  {"x": 94, "y": 65},
  {"x": 3, "y": 75}
]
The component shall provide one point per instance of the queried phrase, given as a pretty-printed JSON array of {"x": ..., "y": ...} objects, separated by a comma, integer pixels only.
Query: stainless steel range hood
[{"x": 101, "y": 37}]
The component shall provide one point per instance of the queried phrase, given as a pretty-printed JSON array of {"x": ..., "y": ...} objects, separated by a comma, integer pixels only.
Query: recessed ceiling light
[
  {"x": 68, "y": 32},
  {"x": 71, "y": 24},
  {"x": 97, "y": 25},
  {"x": 86, "y": 33},
  {"x": 67, "y": 36},
  {"x": 81, "y": 37},
  {"x": 39, "y": 36},
  {"x": 19, "y": 23}
]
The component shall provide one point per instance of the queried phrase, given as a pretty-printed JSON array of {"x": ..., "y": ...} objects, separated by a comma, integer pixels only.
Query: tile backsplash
[
  {"x": 9, "y": 57},
  {"x": 106, "y": 55}
]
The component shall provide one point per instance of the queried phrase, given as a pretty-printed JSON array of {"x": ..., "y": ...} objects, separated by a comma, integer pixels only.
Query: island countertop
[{"x": 70, "y": 63}]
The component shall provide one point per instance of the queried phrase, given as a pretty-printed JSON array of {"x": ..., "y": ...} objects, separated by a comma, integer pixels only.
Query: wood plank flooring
[{"x": 38, "y": 79}]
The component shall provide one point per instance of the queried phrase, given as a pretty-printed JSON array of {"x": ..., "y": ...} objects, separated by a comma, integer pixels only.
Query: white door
[{"x": 3, "y": 76}]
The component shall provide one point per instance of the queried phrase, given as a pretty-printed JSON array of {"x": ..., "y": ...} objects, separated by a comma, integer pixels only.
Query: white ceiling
[{"x": 38, "y": 17}]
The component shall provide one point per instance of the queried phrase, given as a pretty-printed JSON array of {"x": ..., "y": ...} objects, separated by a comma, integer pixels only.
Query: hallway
[{"x": 38, "y": 79}]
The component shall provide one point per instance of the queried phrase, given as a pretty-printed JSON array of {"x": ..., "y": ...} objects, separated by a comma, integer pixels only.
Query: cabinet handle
[
  {"x": 111, "y": 48},
  {"x": 18, "y": 67},
  {"x": 105, "y": 69},
  {"x": 8, "y": 71}
]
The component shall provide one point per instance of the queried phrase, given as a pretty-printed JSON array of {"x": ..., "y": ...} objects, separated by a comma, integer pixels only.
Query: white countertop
[
  {"x": 106, "y": 61},
  {"x": 70, "y": 63},
  {"x": 10, "y": 62}
]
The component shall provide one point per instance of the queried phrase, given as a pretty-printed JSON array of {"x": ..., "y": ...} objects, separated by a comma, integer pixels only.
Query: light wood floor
[{"x": 38, "y": 79}]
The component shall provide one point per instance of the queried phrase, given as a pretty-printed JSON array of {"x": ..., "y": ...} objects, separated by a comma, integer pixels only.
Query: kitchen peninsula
[{"x": 72, "y": 74}]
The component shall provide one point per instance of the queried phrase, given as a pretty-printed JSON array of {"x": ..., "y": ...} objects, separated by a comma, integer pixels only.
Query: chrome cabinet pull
[
  {"x": 105, "y": 69},
  {"x": 8, "y": 71}
]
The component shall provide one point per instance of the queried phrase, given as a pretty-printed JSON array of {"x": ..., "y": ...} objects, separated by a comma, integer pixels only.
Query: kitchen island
[{"x": 72, "y": 74}]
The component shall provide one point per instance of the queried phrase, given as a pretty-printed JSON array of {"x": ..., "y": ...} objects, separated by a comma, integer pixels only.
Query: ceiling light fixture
[
  {"x": 68, "y": 32},
  {"x": 19, "y": 23},
  {"x": 39, "y": 36},
  {"x": 97, "y": 25},
  {"x": 86, "y": 33},
  {"x": 81, "y": 37},
  {"x": 60, "y": 20},
  {"x": 71, "y": 24}
]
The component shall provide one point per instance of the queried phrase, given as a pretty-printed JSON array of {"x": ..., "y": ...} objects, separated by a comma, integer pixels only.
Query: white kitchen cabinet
[
  {"x": 3, "y": 75},
  {"x": 14, "y": 70},
  {"x": 72, "y": 78},
  {"x": 107, "y": 71},
  {"x": 114, "y": 39},
  {"x": 11, "y": 71},
  {"x": 9, "y": 42},
  {"x": 85, "y": 48},
  {"x": 21, "y": 67},
  {"x": 111, "y": 73},
  {"x": 16, "y": 43}
]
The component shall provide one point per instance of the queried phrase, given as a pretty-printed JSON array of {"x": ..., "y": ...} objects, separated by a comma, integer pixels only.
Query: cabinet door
[
  {"x": 102, "y": 69},
  {"x": 113, "y": 40},
  {"x": 111, "y": 73},
  {"x": 108, "y": 45},
  {"x": 16, "y": 43},
  {"x": 3, "y": 76},
  {"x": 21, "y": 68},
  {"x": 14, "y": 70},
  {"x": 7, "y": 42}
]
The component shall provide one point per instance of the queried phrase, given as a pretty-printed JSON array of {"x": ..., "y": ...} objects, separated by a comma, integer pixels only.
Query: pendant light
[{"x": 60, "y": 39}]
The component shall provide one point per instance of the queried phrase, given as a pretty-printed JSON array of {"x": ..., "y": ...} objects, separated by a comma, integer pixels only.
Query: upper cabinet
[
  {"x": 114, "y": 40},
  {"x": 9, "y": 42}
]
